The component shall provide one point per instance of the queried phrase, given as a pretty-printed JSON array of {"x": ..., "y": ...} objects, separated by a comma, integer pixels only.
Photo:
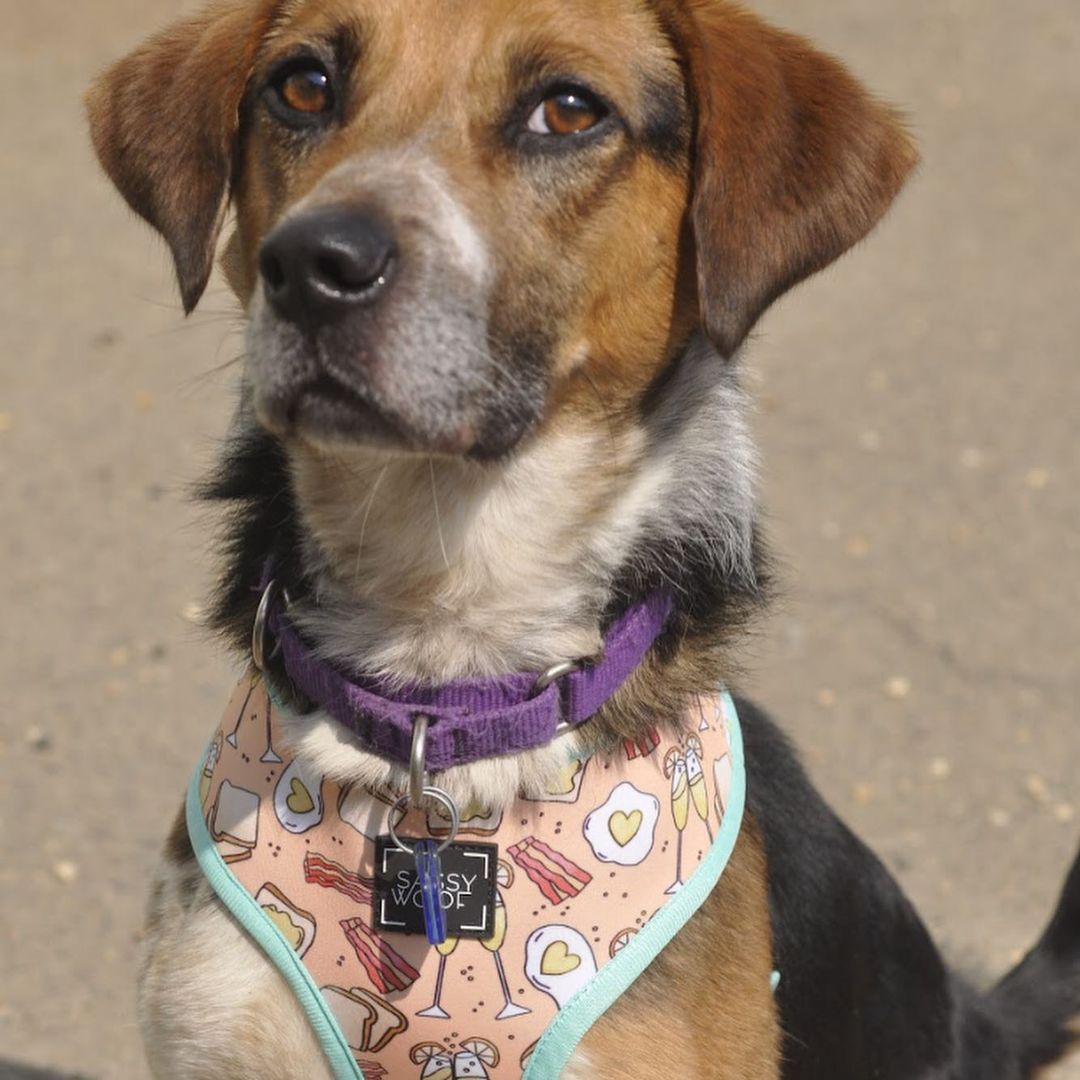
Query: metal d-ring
[
  {"x": 261, "y": 626},
  {"x": 557, "y": 671},
  {"x": 418, "y": 759},
  {"x": 402, "y": 802}
]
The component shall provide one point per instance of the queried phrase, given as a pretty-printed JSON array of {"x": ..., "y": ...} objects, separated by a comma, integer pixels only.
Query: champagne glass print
[
  {"x": 269, "y": 756},
  {"x": 695, "y": 773},
  {"x": 675, "y": 769},
  {"x": 435, "y": 1009},
  {"x": 504, "y": 878},
  {"x": 703, "y": 719},
  {"x": 231, "y": 737}
]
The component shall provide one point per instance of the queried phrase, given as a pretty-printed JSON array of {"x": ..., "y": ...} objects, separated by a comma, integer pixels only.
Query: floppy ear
[
  {"x": 794, "y": 162},
  {"x": 164, "y": 123}
]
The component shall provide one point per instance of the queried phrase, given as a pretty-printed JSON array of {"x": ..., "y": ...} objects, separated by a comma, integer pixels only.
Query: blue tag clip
[{"x": 429, "y": 876}]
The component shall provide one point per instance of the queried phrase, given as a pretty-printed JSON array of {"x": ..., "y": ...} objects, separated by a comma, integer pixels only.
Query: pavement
[{"x": 917, "y": 410}]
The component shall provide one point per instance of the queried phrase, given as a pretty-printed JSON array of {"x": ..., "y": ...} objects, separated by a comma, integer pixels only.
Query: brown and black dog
[{"x": 496, "y": 260}]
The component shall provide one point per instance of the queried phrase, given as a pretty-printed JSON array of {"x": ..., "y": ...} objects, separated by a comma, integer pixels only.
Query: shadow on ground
[{"x": 11, "y": 1070}]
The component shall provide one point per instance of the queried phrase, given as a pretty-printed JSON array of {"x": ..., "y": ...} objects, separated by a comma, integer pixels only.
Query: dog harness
[{"x": 593, "y": 877}]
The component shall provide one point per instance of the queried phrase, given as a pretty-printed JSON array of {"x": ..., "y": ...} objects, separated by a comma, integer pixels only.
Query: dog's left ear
[
  {"x": 794, "y": 161},
  {"x": 164, "y": 122}
]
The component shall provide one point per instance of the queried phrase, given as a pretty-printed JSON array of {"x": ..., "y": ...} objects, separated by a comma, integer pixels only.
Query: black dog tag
[{"x": 468, "y": 889}]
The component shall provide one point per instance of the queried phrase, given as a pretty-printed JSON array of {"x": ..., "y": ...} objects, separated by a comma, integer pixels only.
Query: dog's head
[{"x": 456, "y": 222}]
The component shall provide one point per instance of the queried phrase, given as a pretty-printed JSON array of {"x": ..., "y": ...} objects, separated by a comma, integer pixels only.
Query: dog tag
[{"x": 424, "y": 891}]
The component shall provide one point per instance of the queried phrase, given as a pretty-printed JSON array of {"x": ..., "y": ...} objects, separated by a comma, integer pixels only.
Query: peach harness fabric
[{"x": 588, "y": 872}]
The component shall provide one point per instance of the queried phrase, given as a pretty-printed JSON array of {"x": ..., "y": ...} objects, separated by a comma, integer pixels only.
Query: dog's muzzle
[{"x": 372, "y": 323}]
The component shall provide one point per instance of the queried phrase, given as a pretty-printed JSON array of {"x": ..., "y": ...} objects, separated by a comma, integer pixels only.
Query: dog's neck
[
  {"x": 436, "y": 569},
  {"x": 433, "y": 569}
]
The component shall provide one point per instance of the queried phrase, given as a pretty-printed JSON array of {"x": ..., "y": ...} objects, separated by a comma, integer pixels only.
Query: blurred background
[{"x": 917, "y": 410}]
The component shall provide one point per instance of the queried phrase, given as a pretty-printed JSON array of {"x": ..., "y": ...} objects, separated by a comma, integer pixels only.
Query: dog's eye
[
  {"x": 304, "y": 89},
  {"x": 567, "y": 111}
]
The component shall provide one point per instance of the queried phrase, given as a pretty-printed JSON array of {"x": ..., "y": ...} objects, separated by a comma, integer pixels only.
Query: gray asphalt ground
[{"x": 917, "y": 412}]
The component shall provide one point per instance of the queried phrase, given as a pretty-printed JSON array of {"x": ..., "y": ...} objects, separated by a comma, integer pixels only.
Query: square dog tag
[{"x": 468, "y": 889}]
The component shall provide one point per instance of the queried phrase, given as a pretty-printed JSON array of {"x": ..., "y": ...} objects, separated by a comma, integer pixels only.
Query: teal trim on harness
[
  {"x": 573, "y": 1021},
  {"x": 250, "y": 916},
  {"x": 611, "y": 981}
]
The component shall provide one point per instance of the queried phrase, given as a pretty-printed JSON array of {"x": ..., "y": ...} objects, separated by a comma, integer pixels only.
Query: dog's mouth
[
  {"x": 328, "y": 412},
  {"x": 314, "y": 402},
  {"x": 325, "y": 408}
]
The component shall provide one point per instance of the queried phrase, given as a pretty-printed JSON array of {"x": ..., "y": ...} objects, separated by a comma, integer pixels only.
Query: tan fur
[
  {"x": 211, "y": 1005},
  {"x": 722, "y": 956}
]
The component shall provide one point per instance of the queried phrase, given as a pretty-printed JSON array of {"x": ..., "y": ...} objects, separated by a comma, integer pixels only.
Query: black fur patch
[
  {"x": 262, "y": 520},
  {"x": 524, "y": 358},
  {"x": 666, "y": 130}
]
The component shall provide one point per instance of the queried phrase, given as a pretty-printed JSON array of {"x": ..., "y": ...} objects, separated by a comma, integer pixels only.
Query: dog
[{"x": 497, "y": 262}]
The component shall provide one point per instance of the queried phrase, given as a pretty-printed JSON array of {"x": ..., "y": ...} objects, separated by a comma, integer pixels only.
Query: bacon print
[
  {"x": 556, "y": 876},
  {"x": 319, "y": 870},
  {"x": 642, "y": 747},
  {"x": 387, "y": 970}
]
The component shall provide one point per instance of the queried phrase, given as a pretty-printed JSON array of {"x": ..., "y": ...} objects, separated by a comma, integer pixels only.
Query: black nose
[{"x": 322, "y": 264}]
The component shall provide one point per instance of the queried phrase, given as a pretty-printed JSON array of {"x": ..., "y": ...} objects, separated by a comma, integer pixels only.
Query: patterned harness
[{"x": 592, "y": 879}]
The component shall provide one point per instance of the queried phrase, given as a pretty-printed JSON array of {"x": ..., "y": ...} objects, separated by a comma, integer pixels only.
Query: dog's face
[
  {"x": 457, "y": 223},
  {"x": 449, "y": 212}
]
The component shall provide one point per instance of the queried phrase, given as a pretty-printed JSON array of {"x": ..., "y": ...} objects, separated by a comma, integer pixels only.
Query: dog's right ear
[{"x": 164, "y": 122}]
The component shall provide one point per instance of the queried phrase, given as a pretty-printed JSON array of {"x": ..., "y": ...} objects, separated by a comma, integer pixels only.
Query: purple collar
[{"x": 468, "y": 719}]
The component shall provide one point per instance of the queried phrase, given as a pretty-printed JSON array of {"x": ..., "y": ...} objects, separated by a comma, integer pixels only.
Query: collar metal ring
[
  {"x": 259, "y": 627},
  {"x": 401, "y": 805},
  {"x": 418, "y": 759},
  {"x": 556, "y": 671}
]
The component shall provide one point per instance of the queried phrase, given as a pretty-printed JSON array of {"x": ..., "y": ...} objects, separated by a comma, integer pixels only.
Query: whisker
[
  {"x": 363, "y": 524},
  {"x": 233, "y": 320},
  {"x": 438, "y": 516},
  {"x": 196, "y": 381}
]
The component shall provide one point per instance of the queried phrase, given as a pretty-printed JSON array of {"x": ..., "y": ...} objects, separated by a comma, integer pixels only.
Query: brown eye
[
  {"x": 567, "y": 112},
  {"x": 305, "y": 90}
]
